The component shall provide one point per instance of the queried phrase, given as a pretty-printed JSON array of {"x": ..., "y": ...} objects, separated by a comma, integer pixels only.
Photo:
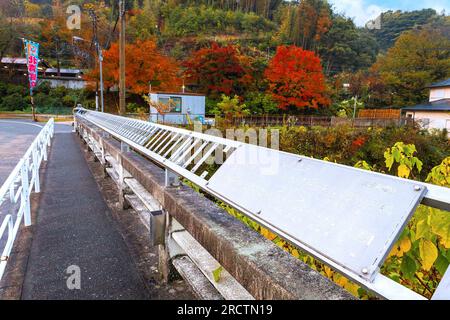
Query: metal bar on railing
[{"x": 22, "y": 181}]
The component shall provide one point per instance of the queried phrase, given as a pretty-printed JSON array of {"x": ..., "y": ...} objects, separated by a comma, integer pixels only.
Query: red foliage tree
[
  {"x": 296, "y": 79},
  {"x": 144, "y": 65},
  {"x": 219, "y": 70}
]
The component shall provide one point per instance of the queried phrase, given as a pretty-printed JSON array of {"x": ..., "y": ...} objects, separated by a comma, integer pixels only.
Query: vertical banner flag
[{"x": 32, "y": 53}]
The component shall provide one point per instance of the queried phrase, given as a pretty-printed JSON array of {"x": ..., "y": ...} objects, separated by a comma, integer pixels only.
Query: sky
[{"x": 364, "y": 10}]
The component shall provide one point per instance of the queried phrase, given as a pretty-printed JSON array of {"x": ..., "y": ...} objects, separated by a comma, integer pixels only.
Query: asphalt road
[{"x": 15, "y": 138}]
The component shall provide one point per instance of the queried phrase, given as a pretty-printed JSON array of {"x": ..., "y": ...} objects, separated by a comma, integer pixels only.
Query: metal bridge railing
[
  {"x": 15, "y": 192},
  {"x": 347, "y": 218}
]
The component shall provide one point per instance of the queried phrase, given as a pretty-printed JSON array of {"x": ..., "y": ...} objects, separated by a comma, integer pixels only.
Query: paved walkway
[{"x": 74, "y": 228}]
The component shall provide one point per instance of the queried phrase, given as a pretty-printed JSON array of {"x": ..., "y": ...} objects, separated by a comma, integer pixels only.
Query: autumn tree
[
  {"x": 143, "y": 21},
  {"x": 418, "y": 58},
  {"x": 145, "y": 66},
  {"x": 56, "y": 37},
  {"x": 218, "y": 70},
  {"x": 367, "y": 85},
  {"x": 296, "y": 79},
  {"x": 305, "y": 24},
  {"x": 10, "y": 15}
]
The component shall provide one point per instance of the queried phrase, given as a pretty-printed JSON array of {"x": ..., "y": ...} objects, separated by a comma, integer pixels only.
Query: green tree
[
  {"x": 394, "y": 23},
  {"x": 143, "y": 23},
  {"x": 346, "y": 108},
  {"x": 345, "y": 47},
  {"x": 419, "y": 58},
  {"x": 260, "y": 103},
  {"x": 231, "y": 107}
]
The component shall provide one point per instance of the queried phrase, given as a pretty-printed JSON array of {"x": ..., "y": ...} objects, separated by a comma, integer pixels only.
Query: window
[
  {"x": 174, "y": 103},
  {"x": 437, "y": 94}
]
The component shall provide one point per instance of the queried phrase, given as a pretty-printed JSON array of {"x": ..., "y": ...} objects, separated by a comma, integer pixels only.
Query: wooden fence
[
  {"x": 380, "y": 113},
  {"x": 311, "y": 121}
]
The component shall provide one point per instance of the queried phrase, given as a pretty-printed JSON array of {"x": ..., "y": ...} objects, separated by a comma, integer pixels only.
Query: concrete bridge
[{"x": 111, "y": 220}]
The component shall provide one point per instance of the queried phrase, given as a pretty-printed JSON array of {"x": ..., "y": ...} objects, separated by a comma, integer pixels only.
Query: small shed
[{"x": 184, "y": 107}]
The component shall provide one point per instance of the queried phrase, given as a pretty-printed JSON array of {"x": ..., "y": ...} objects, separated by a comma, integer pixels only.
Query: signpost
[{"x": 32, "y": 54}]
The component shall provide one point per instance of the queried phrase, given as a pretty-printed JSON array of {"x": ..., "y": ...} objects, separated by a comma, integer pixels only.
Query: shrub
[
  {"x": 14, "y": 102},
  {"x": 348, "y": 146},
  {"x": 58, "y": 100}
]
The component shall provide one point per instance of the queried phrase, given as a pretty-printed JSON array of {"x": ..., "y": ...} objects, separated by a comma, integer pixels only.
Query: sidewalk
[{"x": 74, "y": 228}]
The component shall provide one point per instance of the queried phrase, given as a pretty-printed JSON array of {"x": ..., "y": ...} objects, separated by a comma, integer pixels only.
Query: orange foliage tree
[
  {"x": 296, "y": 79},
  {"x": 144, "y": 65},
  {"x": 219, "y": 70},
  {"x": 55, "y": 37}
]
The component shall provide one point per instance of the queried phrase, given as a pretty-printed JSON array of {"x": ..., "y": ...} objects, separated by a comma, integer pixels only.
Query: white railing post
[
  {"x": 11, "y": 193},
  {"x": 44, "y": 150},
  {"x": 6, "y": 224},
  {"x": 25, "y": 197},
  {"x": 49, "y": 136},
  {"x": 37, "y": 187}
]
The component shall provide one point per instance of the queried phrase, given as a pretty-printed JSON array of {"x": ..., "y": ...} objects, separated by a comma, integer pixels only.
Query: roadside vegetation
[{"x": 57, "y": 101}]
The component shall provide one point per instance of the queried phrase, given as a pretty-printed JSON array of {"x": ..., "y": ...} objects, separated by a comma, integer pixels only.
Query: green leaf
[
  {"x": 217, "y": 273},
  {"x": 428, "y": 253},
  {"x": 422, "y": 229},
  {"x": 419, "y": 164},
  {"x": 440, "y": 225},
  {"x": 408, "y": 267},
  {"x": 397, "y": 154},
  {"x": 441, "y": 264},
  {"x": 407, "y": 162},
  {"x": 389, "y": 161},
  {"x": 447, "y": 254}
]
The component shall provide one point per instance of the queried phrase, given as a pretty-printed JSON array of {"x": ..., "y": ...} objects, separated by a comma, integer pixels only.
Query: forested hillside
[
  {"x": 234, "y": 43},
  {"x": 395, "y": 22}
]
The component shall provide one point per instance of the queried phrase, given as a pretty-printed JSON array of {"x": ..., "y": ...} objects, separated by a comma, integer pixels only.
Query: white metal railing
[
  {"x": 308, "y": 202},
  {"x": 15, "y": 192}
]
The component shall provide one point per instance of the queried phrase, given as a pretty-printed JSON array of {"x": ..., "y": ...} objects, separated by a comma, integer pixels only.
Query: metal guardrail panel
[{"x": 349, "y": 216}]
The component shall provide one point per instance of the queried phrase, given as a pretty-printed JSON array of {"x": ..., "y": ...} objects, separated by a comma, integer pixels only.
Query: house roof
[
  {"x": 55, "y": 70},
  {"x": 13, "y": 60},
  {"x": 440, "y": 84},
  {"x": 178, "y": 93},
  {"x": 439, "y": 105}
]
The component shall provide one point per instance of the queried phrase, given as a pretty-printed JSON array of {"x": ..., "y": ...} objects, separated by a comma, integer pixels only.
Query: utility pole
[
  {"x": 100, "y": 58},
  {"x": 354, "y": 107},
  {"x": 122, "y": 42}
]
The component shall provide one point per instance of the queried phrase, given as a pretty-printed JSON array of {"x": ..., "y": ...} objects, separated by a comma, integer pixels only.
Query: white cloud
[{"x": 358, "y": 10}]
